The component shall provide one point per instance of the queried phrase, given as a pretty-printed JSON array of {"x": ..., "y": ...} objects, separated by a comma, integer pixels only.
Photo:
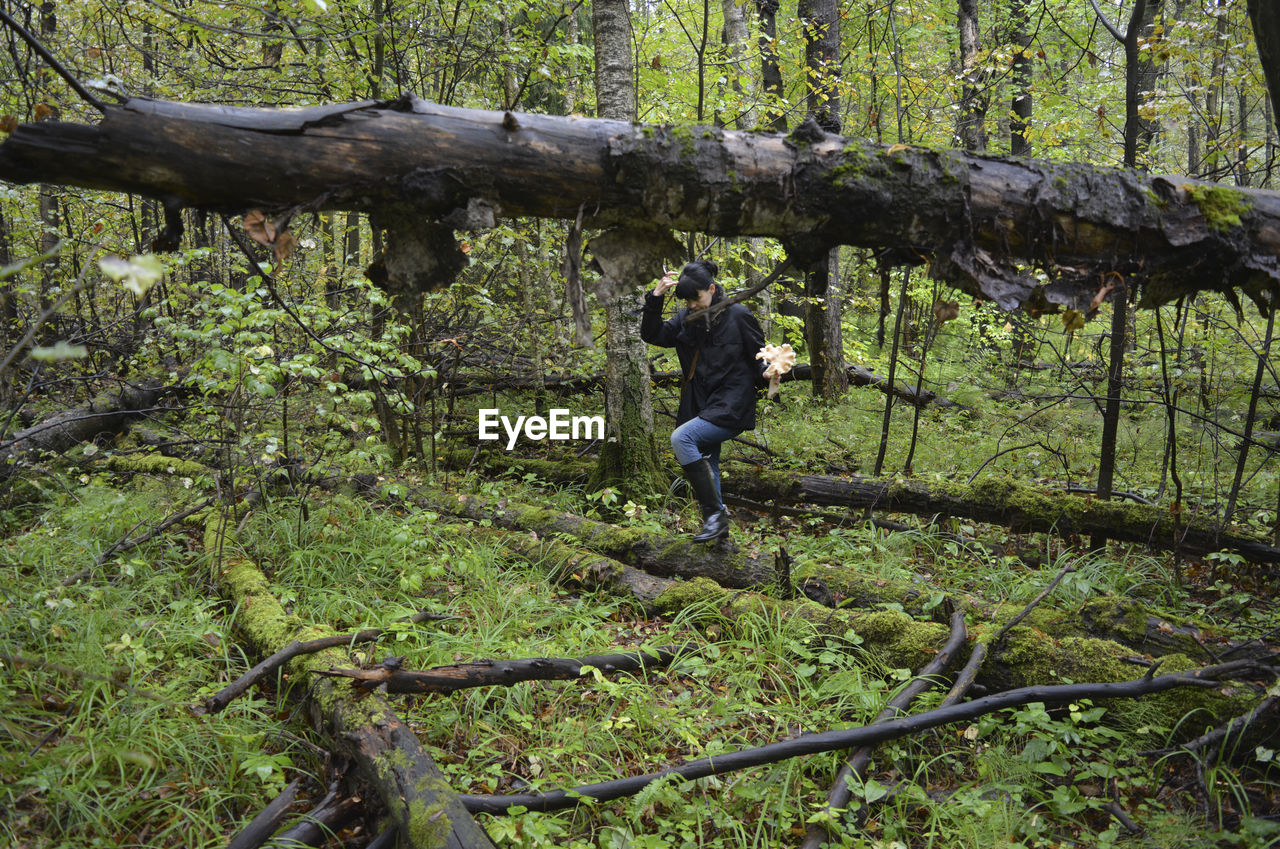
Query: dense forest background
[{"x": 250, "y": 434}]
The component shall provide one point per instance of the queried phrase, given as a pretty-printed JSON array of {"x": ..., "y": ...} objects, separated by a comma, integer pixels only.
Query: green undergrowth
[
  {"x": 89, "y": 763},
  {"x": 100, "y": 745}
]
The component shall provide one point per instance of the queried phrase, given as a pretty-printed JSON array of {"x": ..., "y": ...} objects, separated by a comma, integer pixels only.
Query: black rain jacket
[{"x": 722, "y": 389}]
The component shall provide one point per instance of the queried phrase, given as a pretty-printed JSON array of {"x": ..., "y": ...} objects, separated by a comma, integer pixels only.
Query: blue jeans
[{"x": 698, "y": 438}]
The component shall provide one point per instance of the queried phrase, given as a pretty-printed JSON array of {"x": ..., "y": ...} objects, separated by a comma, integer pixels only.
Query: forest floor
[{"x": 109, "y": 650}]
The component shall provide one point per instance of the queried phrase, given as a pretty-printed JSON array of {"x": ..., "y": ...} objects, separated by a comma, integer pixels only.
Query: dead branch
[
  {"x": 809, "y": 744},
  {"x": 262, "y": 826},
  {"x": 485, "y": 673},
  {"x": 856, "y": 765},
  {"x": 237, "y": 688}
]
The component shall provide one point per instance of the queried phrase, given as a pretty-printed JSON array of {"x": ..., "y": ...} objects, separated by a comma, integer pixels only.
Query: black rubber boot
[{"x": 715, "y": 519}]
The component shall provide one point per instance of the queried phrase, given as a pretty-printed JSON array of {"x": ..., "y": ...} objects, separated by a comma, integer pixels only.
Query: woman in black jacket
[{"x": 720, "y": 368}]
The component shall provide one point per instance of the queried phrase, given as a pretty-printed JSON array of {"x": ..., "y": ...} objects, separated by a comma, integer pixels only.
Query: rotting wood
[
  {"x": 361, "y": 726},
  {"x": 976, "y": 219},
  {"x": 488, "y": 673},
  {"x": 827, "y": 741},
  {"x": 110, "y": 412},
  {"x": 1020, "y": 507}
]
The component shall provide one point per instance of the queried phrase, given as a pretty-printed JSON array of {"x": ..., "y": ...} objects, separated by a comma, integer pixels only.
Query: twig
[
  {"x": 236, "y": 688},
  {"x": 711, "y": 311},
  {"x": 856, "y": 765},
  {"x": 967, "y": 675},
  {"x": 125, "y": 543},
  {"x": 262, "y": 826},
  {"x": 1218, "y": 736},
  {"x": 52, "y": 61},
  {"x": 1026, "y": 611},
  {"x": 1113, "y": 808}
]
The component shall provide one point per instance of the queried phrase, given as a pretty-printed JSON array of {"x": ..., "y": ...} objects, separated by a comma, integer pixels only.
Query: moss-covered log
[
  {"x": 1020, "y": 507},
  {"x": 109, "y": 413},
  {"x": 658, "y": 554},
  {"x": 573, "y": 566},
  {"x": 977, "y": 220},
  {"x": 362, "y": 726},
  {"x": 1026, "y": 657}
]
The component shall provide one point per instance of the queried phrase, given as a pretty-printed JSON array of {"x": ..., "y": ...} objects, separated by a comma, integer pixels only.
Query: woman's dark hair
[{"x": 695, "y": 277}]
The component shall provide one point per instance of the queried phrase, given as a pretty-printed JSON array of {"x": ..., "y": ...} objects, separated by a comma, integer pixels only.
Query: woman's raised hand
[{"x": 668, "y": 281}]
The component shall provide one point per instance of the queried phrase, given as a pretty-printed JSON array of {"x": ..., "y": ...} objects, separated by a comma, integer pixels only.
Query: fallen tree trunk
[
  {"x": 997, "y": 501},
  {"x": 975, "y": 219},
  {"x": 363, "y": 726},
  {"x": 464, "y": 385},
  {"x": 109, "y": 413},
  {"x": 658, "y": 554},
  {"x": 1003, "y": 502}
]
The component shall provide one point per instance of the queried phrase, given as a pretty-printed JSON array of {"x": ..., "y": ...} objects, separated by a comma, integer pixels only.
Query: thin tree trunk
[
  {"x": 1115, "y": 389},
  {"x": 770, "y": 69},
  {"x": 971, "y": 129},
  {"x": 893, "y": 367},
  {"x": 1021, "y": 107},
  {"x": 1249, "y": 419}
]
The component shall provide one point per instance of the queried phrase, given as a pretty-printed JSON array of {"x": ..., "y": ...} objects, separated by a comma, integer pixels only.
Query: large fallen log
[
  {"x": 977, "y": 220},
  {"x": 463, "y": 385},
  {"x": 998, "y": 501},
  {"x": 108, "y": 413},
  {"x": 1020, "y": 507}
]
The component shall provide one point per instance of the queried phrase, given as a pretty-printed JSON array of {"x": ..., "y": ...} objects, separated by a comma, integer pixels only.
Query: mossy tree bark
[
  {"x": 978, "y": 220},
  {"x": 110, "y": 412},
  {"x": 1020, "y": 507},
  {"x": 628, "y": 459}
]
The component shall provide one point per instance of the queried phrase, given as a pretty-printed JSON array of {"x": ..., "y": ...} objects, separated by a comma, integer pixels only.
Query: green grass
[
  {"x": 88, "y": 762},
  {"x": 87, "y": 759}
]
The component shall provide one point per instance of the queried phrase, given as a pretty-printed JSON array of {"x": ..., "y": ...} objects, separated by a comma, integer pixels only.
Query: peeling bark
[{"x": 978, "y": 220}]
